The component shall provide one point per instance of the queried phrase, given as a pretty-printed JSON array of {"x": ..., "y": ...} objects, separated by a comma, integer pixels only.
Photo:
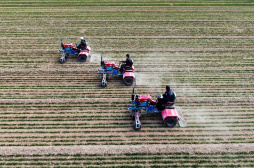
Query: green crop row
[
  {"x": 67, "y": 4},
  {"x": 136, "y": 159}
]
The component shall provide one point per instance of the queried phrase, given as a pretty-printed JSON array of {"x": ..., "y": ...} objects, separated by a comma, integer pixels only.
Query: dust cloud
[
  {"x": 143, "y": 78},
  {"x": 95, "y": 57},
  {"x": 149, "y": 80}
]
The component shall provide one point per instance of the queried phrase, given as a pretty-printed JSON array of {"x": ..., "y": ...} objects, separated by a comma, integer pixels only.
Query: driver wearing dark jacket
[
  {"x": 169, "y": 95},
  {"x": 128, "y": 63},
  {"x": 82, "y": 45}
]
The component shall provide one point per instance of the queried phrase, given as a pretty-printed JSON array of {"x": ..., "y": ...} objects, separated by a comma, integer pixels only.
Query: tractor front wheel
[
  {"x": 62, "y": 60},
  {"x": 104, "y": 80},
  {"x": 170, "y": 122},
  {"x": 82, "y": 58},
  {"x": 128, "y": 81},
  {"x": 103, "y": 83},
  {"x": 136, "y": 126}
]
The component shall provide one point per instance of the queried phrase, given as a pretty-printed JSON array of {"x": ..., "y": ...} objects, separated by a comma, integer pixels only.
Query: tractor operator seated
[
  {"x": 82, "y": 45},
  {"x": 167, "y": 99},
  {"x": 128, "y": 63}
]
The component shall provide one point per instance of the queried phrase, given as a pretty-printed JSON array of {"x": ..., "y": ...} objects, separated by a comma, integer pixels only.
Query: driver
[
  {"x": 169, "y": 96},
  {"x": 128, "y": 62},
  {"x": 82, "y": 45},
  {"x": 168, "y": 99}
]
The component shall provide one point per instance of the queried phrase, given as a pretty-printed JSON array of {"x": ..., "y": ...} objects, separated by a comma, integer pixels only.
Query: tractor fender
[
  {"x": 169, "y": 113},
  {"x": 88, "y": 49},
  {"x": 129, "y": 74},
  {"x": 83, "y": 53}
]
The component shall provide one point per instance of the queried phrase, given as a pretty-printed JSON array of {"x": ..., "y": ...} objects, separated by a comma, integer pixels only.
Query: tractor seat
[
  {"x": 128, "y": 69},
  {"x": 170, "y": 107}
]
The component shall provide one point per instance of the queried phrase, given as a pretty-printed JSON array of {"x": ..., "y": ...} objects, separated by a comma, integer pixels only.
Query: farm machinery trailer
[
  {"x": 111, "y": 68},
  {"x": 169, "y": 112},
  {"x": 69, "y": 49}
]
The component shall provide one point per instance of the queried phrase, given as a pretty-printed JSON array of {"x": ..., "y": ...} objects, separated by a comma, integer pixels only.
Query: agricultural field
[{"x": 57, "y": 115}]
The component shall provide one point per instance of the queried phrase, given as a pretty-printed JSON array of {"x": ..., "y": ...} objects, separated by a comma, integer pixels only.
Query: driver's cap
[{"x": 81, "y": 38}]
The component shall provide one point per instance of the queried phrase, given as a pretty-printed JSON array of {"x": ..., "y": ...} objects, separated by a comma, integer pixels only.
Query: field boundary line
[{"x": 122, "y": 149}]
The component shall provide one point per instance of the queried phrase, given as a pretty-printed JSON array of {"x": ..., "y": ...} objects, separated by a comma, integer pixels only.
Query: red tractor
[
  {"x": 168, "y": 110},
  {"x": 69, "y": 49},
  {"x": 111, "y": 68}
]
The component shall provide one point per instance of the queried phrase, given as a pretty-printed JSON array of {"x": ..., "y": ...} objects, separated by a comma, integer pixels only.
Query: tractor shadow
[{"x": 151, "y": 119}]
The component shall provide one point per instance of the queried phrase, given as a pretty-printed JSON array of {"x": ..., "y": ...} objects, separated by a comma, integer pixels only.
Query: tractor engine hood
[{"x": 144, "y": 98}]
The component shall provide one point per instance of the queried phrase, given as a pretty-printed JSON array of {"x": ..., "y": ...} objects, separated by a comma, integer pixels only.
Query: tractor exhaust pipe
[
  {"x": 102, "y": 62},
  {"x": 133, "y": 94},
  {"x": 62, "y": 44},
  {"x": 137, "y": 99}
]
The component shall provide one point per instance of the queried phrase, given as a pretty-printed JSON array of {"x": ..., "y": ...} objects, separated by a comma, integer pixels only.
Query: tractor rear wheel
[
  {"x": 170, "y": 122},
  {"x": 82, "y": 58},
  {"x": 128, "y": 81}
]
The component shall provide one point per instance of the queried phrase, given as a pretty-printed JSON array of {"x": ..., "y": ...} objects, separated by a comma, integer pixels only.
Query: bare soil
[{"x": 120, "y": 149}]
